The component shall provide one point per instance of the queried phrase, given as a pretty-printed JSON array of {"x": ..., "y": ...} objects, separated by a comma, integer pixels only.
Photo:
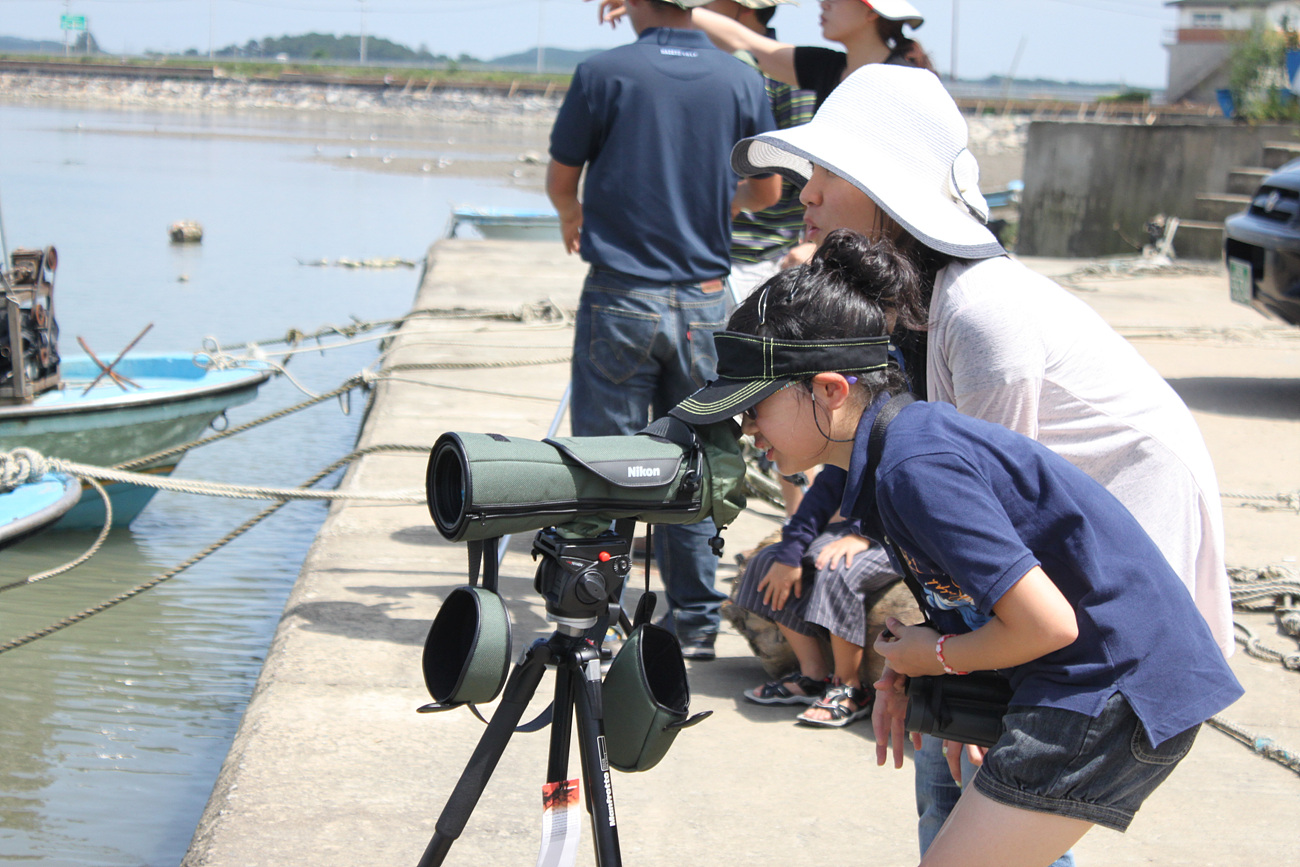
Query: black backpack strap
[{"x": 875, "y": 444}]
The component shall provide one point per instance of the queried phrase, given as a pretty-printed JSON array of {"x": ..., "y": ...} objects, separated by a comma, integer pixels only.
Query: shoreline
[
  {"x": 998, "y": 141},
  {"x": 443, "y": 105}
]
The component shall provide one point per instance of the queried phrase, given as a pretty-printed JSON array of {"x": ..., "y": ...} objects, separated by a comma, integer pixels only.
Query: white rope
[
  {"x": 219, "y": 489},
  {"x": 1288, "y": 500},
  {"x": 19, "y": 467},
  {"x": 90, "y": 552}
]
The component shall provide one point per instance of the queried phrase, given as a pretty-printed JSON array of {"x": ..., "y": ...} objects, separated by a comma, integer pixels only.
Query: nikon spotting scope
[{"x": 481, "y": 486}]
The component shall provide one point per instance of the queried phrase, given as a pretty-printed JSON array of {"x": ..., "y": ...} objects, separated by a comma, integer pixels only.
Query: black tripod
[{"x": 577, "y": 695}]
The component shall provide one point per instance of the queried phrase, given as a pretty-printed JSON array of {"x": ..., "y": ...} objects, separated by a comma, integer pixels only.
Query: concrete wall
[
  {"x": 1197, "y": 70},
  {"x": 1091, "y": 186}
]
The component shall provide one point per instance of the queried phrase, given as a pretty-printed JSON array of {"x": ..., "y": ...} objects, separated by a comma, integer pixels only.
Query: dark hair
[
  {"x": 765, "y": 15},
  {"x": 891, "y": 33},
  {"x": 847, "y": 289}
]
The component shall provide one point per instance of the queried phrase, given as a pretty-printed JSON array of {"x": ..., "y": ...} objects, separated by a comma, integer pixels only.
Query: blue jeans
[
  {"x": 937, "y": 793},
  {"x": 639, "y": 348}
]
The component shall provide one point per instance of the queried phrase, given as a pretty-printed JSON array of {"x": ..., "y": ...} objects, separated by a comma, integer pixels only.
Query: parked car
[{"x": 1262, "y": 247}]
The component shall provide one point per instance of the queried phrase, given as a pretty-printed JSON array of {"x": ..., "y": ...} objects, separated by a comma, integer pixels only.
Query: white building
[{"x": 1203, "y": 41}]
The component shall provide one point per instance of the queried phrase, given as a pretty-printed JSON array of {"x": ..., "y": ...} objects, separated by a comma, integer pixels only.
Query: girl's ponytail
[
  {"x": 900, "y": 46},
  {"x": 879, "y": 272}
]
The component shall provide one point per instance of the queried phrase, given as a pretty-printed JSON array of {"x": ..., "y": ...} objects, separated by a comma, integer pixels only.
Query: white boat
[
  {"x": 173, "y": 400},
  {"x": 35, "y": 505},
  {"x": 506, "y": 224},
  {"x": 103, "y": 413}
]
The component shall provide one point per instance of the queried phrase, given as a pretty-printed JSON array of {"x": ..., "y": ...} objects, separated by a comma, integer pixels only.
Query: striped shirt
[{"x": 759, "y": 236}]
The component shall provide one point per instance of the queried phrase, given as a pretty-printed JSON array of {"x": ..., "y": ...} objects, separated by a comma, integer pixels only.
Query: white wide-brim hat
[
  {"x": 763, "y": 4},
  {"x": 897, "y": 10},
  {"x": 895, "y": 134}
]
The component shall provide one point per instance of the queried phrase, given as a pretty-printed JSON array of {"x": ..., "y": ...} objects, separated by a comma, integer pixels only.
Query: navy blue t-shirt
[
  {"x": 974, "y": 506},
  {"x": 655, "y": 121}
]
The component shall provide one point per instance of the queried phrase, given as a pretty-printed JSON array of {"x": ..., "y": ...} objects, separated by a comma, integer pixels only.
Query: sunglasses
[{"x": 752, "y": 412}]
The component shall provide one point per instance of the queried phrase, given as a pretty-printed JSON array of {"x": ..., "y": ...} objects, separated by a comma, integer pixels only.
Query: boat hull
[
  {"x": 34, "y": 506},
  {"x": 174, "y": 404},
  {"x": 507, "y": 224}
]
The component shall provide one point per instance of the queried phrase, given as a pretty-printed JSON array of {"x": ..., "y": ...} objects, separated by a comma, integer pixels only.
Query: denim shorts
[{"x": 1097, "y": 769}]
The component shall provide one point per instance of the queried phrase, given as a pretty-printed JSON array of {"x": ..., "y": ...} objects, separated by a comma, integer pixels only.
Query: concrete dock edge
[{"x": 332, "y": 765}]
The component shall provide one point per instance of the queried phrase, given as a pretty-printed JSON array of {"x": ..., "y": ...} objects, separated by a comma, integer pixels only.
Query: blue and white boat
[
  {"x": 506, "y": 224},
  {"x": 34, "y": 505},
  {"x": 173, "y": 400}
]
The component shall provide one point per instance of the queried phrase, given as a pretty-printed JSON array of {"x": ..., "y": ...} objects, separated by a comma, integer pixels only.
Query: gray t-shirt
[{"x": 1010, "y": 346}]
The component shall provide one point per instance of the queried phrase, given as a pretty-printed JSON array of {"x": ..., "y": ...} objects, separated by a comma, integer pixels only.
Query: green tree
[{"x": 1257, "y": 74}]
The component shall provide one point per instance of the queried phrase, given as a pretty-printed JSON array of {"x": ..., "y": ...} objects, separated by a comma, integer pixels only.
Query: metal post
[
  {"x": 363, "y": 33},
  {"x": 4, "y": 248},
  {"x": 541, "y": 51},
  {"x": 953, "y": 71}
]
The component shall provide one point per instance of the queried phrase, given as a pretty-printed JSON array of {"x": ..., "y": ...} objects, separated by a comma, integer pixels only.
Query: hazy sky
[{"x": 1079, "y": 40}]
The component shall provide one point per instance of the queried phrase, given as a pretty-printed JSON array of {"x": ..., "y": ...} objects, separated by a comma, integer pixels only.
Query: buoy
[{"x": 185, "y": 232}]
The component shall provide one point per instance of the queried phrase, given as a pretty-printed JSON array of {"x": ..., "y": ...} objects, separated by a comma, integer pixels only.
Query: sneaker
[{"x": 698, "y": 646}]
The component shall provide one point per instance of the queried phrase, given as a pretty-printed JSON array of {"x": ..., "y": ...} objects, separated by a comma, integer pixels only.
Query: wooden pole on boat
[{"x": 108, "y": 370}]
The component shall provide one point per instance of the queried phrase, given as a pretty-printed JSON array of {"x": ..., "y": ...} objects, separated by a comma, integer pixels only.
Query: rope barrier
[
  {"x": 1266, "y": 747},
  {"x": 1290, "y": 501},
  {"x": 90, "y": 552},
  {"x": 222, "y": 489},
  {"x": 547, "y": 311},
  {"x": 20, "y": 466},
  {"x": 199, "y": 556}
]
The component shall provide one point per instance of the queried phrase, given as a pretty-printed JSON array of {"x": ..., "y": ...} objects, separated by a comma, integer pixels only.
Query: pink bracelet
[{"x": 938, "y": 651}]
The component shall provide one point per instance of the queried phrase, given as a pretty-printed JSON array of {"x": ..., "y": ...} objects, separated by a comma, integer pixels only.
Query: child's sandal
[
  {"x": 779, "y": 692},
  {"x": 838, "y": 702}
]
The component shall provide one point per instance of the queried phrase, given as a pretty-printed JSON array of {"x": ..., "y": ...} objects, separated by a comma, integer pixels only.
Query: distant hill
[
  {"x": 14, "y": 45},
  {"x": 559, "y": 60},
  {"x": 322, "y": 46}
]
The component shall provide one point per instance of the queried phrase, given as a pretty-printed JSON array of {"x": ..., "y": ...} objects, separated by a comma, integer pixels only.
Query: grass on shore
[{"x": 268, "y": 70}]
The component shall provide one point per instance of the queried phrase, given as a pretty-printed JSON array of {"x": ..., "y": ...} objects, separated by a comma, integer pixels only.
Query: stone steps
[
  {"x": 1278, "y": 153},
  {"x": 1219, "y": 206},
  {"x": 1246, "y": 179}
]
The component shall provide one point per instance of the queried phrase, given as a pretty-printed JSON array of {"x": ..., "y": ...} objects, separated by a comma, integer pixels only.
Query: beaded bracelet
[{"x": 938, "y": 651}]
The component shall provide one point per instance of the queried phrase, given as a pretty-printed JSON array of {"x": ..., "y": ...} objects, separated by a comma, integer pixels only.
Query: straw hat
[
  {"x": 895, "y": 134},
  {"x": 897, "y": 10}
]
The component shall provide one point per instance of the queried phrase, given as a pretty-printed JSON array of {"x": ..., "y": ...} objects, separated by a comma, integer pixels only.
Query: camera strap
[
  {"x": 876, "y": 444},
  {"x": 484, "y": 553}
]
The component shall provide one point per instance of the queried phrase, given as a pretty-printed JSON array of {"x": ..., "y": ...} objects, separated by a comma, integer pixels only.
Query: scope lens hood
[{"x": 467, "y": 651}]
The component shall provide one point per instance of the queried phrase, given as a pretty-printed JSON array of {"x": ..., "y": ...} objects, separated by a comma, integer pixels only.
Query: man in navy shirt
[{"x": 653, "y": 124}]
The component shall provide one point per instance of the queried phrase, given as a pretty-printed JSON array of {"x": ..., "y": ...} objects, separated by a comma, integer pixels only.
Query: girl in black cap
[{"x": 1023, "y": 563}]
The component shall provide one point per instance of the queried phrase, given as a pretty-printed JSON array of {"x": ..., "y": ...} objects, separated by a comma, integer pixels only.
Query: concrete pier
[{"x": 333, "y": 766}]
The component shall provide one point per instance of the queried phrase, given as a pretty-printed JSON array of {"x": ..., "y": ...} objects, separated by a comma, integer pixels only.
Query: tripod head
[{"x": 581, "y": 578}]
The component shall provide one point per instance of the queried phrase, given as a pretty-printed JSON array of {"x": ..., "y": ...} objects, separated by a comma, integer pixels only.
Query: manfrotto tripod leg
[
  {"x": 518, "y": 691},
  {"x": 589, "y": 710}
]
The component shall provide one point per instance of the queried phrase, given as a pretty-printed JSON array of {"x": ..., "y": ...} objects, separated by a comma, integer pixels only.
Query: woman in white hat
[
  {"x": 886, "y": 156},
  {"x": 871, "y": 31}
]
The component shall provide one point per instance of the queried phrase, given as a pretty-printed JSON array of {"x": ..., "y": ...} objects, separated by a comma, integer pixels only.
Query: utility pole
[
  {"x": 211, "y": 17},
  {"x": 363, "y": 32},
  {"x": 953, "y": 72},
  {"x": 541, "y": 50}
]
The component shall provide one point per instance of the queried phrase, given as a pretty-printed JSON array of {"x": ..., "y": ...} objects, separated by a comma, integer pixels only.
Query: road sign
[{"x": 72, "y": 22}]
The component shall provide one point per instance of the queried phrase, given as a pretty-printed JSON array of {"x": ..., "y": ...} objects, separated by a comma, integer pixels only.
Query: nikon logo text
[{"x": 643, "y": 472}]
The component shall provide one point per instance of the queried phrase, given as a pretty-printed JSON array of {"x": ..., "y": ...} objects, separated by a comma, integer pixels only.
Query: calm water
[{"x": 112, "y": 731}]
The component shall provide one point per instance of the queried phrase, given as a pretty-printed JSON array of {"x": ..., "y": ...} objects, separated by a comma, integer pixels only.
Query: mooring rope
[
  {"x": 355, "y": 381},
  {"x": 18, "y": 467},
  {"x": 547, "y": 311},
  {"x": 1266, "y": 747},
  {"x": 1288, "y": 500},
  {"x": 213, "y": 489},
  {"x": 205, "y": 552},
  {"x": 90, "y": 552}
]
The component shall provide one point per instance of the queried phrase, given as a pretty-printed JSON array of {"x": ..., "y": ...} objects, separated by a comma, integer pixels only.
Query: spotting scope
[{"x": 482, "y": 486}]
